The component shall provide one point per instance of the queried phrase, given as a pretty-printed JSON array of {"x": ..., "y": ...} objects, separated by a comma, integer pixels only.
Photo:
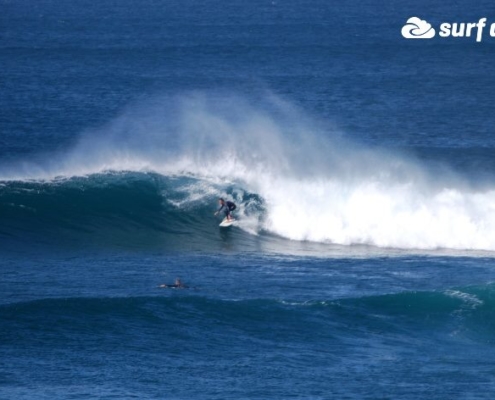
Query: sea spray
[{"x": 315, "y": 185}]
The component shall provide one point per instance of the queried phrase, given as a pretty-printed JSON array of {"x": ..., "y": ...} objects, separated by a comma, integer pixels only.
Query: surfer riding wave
[{"x": 227, "y": 207}]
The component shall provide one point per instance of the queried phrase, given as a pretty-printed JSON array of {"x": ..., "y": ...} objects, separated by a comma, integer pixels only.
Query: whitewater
[
  {"x": 362, "y": 164},
  {"x": 310, "y": 182}
]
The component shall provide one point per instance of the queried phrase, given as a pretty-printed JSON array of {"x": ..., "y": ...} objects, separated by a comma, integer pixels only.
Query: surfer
[
  {"x": 177, "y": 285},
  {"x": 227, "y": 207}
]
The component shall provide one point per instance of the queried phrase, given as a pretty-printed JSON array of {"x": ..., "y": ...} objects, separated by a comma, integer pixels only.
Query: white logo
[{"x": 416, "y": 28}]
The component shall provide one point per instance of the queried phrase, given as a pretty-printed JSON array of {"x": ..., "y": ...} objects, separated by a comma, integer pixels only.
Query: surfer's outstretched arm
[{"x": 222, "y": 205}]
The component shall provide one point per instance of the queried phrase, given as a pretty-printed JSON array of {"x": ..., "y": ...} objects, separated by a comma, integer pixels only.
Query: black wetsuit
[{"x": 228, "y": 206}]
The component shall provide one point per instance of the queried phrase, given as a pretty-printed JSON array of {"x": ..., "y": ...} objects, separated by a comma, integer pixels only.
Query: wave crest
[{"x": 313, "y": 184}]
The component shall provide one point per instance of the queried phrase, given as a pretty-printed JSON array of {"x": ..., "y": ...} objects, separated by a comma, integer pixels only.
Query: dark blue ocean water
[{"x": 362, "y": 263}]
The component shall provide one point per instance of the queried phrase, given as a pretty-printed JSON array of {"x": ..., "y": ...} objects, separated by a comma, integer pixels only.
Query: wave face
[
  {"x": 159, "y": 167},
  {"x": 120, "y": 209},
  {"x": 465, "y": 311},
  {"x": 174, "y": 337}
]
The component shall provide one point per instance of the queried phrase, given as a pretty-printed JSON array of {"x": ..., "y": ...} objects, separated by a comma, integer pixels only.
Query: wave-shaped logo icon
[{"x": 416, "y": 28}]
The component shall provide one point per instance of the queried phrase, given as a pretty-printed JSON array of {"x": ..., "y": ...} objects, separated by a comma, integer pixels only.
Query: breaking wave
[{"x": 159, "y": 167}]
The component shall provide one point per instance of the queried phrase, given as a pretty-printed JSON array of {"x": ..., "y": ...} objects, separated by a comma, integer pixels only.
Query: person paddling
[{"x": 177, "y": 285}]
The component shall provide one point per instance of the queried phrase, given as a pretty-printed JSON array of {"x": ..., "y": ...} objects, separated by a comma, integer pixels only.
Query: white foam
[
  {"x": 387, "y": 215},
  {"x": 470, "y": 300},
  {"x": 316, "y": 186}
]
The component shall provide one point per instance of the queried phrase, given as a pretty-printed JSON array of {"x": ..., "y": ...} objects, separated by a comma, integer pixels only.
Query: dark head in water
[{"x": 178, "y": 283}]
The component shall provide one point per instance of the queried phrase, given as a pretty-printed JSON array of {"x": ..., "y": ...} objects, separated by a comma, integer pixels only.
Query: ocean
[{"x": 362, "y": 261}]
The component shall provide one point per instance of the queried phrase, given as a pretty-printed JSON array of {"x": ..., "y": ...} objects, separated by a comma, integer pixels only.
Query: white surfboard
[{"x": 226, "y": 222}]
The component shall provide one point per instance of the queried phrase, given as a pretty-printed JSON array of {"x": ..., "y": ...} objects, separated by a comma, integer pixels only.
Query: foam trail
[{"x": 316, "y": 185}]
